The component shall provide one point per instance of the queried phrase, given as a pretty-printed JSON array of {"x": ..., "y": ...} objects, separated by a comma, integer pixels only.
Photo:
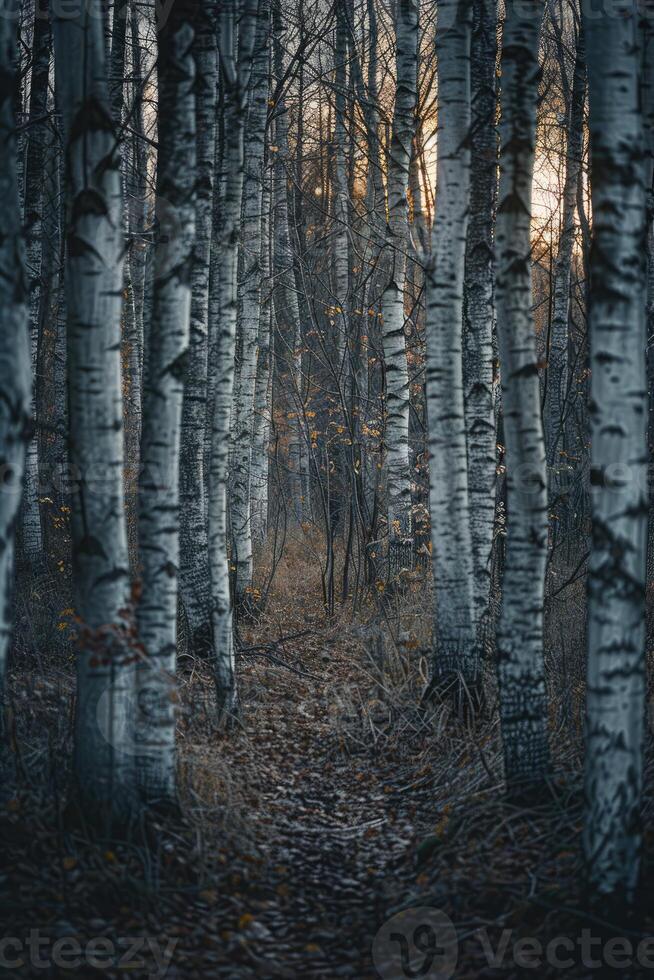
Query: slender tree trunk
[
  {"x": 397, "y": 451},
  {"x": 31, "y": 545},
  {"x": 288, "y": 330},
  {"x": 557, "y": 370},
  {"x": 103, "y": 759},
  {"x": 455, "y": 649},
  {"x": 615, "y": 703},
  {"x": 262, "y": 391},
  {"x": 117, "y": 60},
  {"x": 523, "y": 702},
  {"x": 479, "y": 298},
  {"x": 235, "y": 67},
  {"x": 15, "y": 366},
  {"x": 169, "y": 341},
  {"x": 249, "y": 306},
  {"x": 647, "y": 101},
  {"x": 138, "y": 189},
  {"x": 194, "y": 543},
  {"x": 341, "y": 202},
  {"x": 50, "y": 398}
]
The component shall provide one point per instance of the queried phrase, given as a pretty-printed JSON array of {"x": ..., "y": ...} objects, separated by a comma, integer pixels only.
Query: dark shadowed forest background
[{"x": 326, "y": 530}]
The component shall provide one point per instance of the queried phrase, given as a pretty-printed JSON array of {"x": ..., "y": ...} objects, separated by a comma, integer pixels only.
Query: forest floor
[{"x": 336, "y": 827}]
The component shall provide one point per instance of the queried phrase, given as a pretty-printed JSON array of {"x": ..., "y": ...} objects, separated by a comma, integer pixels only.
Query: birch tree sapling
[
  {"x": 15, "y": 366},
  {"x": 162, "y": 416},
  {"x": 396, "y": 426},
  {"x": 521, "y": 673},
  {"x": 456, "y": 654},
  {"x": 103, "y": 760},
  {"x": 615, "y": 700}
]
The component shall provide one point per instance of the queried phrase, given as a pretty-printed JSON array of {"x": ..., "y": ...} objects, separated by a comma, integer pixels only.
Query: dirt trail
[{"x": 335, "y": 824}]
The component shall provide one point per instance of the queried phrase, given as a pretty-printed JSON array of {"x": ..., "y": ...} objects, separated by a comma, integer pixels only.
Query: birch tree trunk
[
  {"x": 15, "y": 366},
  {"x": 235, "y": 61},
  {"x": 288, "y": 331},
  {"x": 50, "y": 401},
  {"x": 341, "y": 234},
  {"x": 455, "y": 648},
  {"x": 162, "y": 416},
  {"x": 103, "y": 760},
  {"x": 397, "y": 451},
  {"x": 479, "y": 299},
  {"x": 647, "y": 102},
  {"x": 262, "y": 391},
  {"x": 615, "y": 702},
  {"x": 138, "y": 190},
  {"x": 523, "y": 703},
  {"x": 31, "y": 542},
  {"x": 194, "y": 543},
  {"x": 249, "y": 307},
  {"x": 557, "y": 371}
]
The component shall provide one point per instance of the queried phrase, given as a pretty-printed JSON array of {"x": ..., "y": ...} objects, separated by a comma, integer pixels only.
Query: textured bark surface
[
  {"x": 455, "y": 648},
  {"x": 523, "y": 702},
  {"x": 479, "y": 298},
  {"x": 31, "y": 543},
  {"x": 249, "y": 307},
  {"x": 195, "y": 588},
  {"x": 286, "y": 310},
  {"x": 263, "y": 383},
  {"x": 15, "y": 366},
  {"x": 615, "y": 704},
  {"x": 103, "y": 761},
  {"x": 396, "y": 437},
  {"x": 647, "y": 101},
  {"x": 235, "y": 56},
  {"x": 162, "y": 416},
  {"x": 557, "y": 370}
]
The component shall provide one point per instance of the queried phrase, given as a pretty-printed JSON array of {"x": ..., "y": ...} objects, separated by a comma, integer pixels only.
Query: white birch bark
[
  {"x": 396, "y": 421},
  {"x": 194, "y": 543},
  {"x": 647, "y": 101},
  {"x": 523, "y": 703},
  {"x": 480, "y": 301},
  {"x": 455, "y": 649},
  {"x": 341, "y": 199},
  {"x": 169, "y": 341},
  {"x": 263, "y": 388},
  {"x": 557, "y": 370},
  {"x": 288, "y": 329},
  {"x": 235, "y": 59},
  {"x": 615, "y": 701},
  {"x": 249, "y": 306},
  {"x": 103, "y": 762},
  {"x": 15, "y": 366},
  {"x": 31, "y": 538}
]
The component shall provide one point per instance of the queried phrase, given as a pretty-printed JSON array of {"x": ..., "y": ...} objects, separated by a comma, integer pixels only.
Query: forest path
[
  {"x": 303, "y": 827},
  {"x": 334, "y": 802}
]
